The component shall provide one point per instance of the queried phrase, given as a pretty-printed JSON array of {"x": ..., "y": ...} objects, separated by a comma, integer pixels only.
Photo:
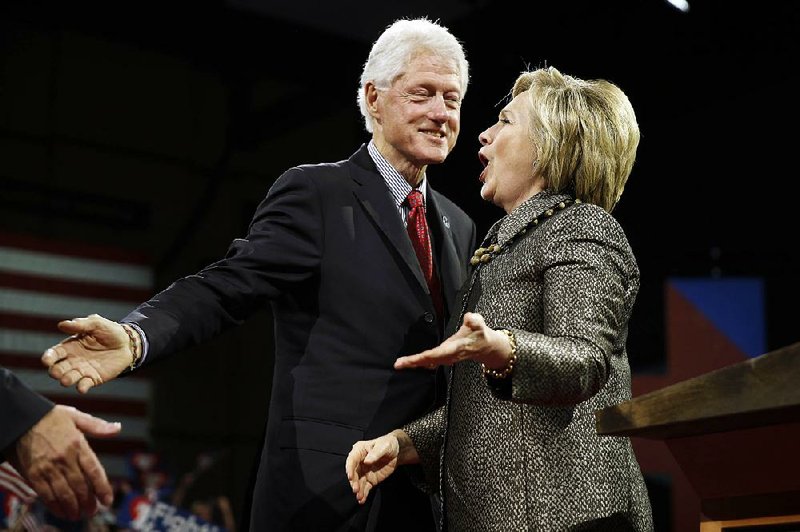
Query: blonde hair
[{"x": 585, "y": 132}]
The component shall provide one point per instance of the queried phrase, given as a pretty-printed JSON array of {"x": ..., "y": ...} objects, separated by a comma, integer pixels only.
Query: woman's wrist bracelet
[{"x": 509, "y": 367}]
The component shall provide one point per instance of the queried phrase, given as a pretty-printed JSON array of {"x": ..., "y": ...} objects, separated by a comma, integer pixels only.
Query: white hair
[{"x": 395, "y": 48}]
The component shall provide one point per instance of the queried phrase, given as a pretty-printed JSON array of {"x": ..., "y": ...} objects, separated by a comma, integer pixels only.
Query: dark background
[{"x": 158, "y": 127}]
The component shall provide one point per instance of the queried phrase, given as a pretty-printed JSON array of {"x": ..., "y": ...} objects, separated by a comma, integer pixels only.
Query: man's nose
[{"x": 438, "y": 108}]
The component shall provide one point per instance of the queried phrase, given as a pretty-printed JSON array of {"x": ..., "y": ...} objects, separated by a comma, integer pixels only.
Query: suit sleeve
[
  {"x": 590, "y": 281},
  {"x": 283, "y": 247},
  {"x": 20, "y": 409}
]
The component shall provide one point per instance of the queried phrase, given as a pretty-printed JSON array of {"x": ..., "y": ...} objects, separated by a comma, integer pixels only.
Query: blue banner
[{"x": 140, "y": 513}]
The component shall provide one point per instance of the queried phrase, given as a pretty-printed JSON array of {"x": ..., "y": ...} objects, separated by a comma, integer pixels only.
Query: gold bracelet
[
  {"x": 506, "y": 371},
  {"x": 134, "y": 355}
]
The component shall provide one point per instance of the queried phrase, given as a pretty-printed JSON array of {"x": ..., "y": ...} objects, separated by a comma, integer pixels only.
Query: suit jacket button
[{"x": 428, "y": 317}]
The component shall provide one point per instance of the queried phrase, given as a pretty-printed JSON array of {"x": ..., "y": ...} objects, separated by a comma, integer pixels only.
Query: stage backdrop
[
  {"x": 710, "y": 323},
  {"x": 45, "y": 281}
]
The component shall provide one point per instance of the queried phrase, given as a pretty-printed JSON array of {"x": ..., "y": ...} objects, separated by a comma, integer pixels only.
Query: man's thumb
[
  {"x": 94, "y": 426},
  {"x": 82, "y": 325}
]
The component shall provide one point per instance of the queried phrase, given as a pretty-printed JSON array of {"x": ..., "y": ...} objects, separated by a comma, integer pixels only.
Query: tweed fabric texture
[{"x": 523, "y": 453}]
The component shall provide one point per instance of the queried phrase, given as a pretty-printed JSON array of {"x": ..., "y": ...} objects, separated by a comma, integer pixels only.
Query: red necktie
[{"x": 417, "y": 228}]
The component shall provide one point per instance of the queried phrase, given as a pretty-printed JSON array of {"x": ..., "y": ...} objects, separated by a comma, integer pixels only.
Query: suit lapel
[
  {"x": 448, "y": 262},
  {"x": 379, "y": 205}
]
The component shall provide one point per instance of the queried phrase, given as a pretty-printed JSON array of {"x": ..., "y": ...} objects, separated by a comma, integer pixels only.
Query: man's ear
[{"x": 371, "y": 98}]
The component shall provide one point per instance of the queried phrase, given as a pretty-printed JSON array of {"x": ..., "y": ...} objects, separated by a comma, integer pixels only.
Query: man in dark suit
[
  {"x": 46, "y": 444},
  {"x": 361, "y": 260}
]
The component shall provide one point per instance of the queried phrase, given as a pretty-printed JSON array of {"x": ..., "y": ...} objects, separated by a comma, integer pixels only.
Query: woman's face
[{"x": 509, "y": 158}]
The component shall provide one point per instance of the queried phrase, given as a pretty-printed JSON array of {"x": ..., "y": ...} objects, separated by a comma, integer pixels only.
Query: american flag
[
  {"x": 12, "y": 482},
  {"x": 45, "y": 281},
  {"x": 15, "y": 505}
]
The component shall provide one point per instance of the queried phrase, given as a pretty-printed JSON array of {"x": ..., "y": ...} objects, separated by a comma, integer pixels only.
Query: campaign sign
[{"x": 140, "y": 513}]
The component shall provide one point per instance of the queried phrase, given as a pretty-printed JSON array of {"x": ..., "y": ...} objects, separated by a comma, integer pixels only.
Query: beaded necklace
[{"x": 484, "y": 255}]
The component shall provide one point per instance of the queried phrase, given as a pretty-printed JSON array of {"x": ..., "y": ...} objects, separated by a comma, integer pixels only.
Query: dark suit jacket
[
  {"x": 20, "y": 409},
  {"x": 328, "y": 249}
]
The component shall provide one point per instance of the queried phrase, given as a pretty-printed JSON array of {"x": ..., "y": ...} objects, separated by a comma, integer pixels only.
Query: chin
[
  {"x": 434, "y": 154},
  {"x": 487, "y": 194},
  {"x": 438, "y": 157}
]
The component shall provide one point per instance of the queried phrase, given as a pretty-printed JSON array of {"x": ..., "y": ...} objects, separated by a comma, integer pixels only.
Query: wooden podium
[{"x": 735, "y": 433}]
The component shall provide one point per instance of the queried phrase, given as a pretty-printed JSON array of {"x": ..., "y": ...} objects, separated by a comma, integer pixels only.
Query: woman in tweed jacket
[{"x": 540, "y": 344}]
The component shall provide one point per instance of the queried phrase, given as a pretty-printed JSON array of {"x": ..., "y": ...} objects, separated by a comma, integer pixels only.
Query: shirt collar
[{"x": 397, "y": 184}]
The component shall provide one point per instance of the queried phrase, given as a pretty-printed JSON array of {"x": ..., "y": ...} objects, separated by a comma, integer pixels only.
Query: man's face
[{"x": 417, "y": 119}]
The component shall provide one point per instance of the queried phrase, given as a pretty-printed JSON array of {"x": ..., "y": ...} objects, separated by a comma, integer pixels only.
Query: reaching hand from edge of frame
[
  {"x": 370, "y": 462},
  {"x": 98, "y": 350},
  {"x": 57, "y": 461},
  {"x": 473, "y": 340}
]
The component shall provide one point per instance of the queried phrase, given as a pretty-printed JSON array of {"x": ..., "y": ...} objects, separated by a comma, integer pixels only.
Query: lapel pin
[{"x": 446, "y": 221}]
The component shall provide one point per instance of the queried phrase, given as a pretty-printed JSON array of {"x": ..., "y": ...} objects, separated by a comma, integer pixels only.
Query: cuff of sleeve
[
  {"x": 22, "y": 409},
  {"x": 145, "y": 345},
  {"x": 427, "y": 434},
  {"x": 501, "y": 382}
]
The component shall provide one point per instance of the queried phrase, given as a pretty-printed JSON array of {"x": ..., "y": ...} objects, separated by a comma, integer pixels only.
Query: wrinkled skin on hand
[
  {"x": 370, "y": 462},
  {"x": 56, "y": 460}
]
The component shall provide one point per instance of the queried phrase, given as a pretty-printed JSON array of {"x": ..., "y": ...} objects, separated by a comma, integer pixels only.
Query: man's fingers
[
  {"x": 42, "y": 488},
  {"x": 96, "y": 477},
  {"x": 85, "y": 384},
  {"x": 79, "y": 483},
  {"x": 75, "y": 326},
  {"x": 60, "y": 358},
  {"x": 84, "y": 375},
  {"x": 53, "y": 355},
  {"x": 65, "y": 498},
  {"x": 80, "y": 325},
  {"x": 94, "y": 426},
  {"x": 70, "y": 377},
  {"x": 60, "y": 368}
]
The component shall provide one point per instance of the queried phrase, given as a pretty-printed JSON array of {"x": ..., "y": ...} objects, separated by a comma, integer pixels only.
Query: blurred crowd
[{"x": 149, "y": 497}]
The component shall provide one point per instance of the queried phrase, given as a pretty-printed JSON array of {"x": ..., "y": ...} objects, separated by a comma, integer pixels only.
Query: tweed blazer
[{"x": 523, "y": 453}]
